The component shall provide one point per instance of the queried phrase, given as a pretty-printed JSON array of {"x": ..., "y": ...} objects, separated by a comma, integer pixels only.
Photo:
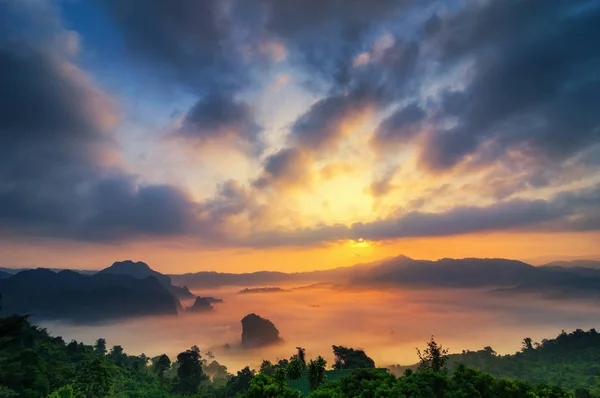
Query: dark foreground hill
[{"x": 70, "y": 296}]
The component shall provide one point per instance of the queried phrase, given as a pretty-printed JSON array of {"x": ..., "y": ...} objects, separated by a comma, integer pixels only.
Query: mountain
[
  {"x": 595, "y": 264},
  {"x": 213, "y": 279},
  {"x": 202, "y": 304},
  {"x": 13, "y": 271},
  {"x": 507, "y": 276},
  {"x": 258, "y": 332},
  {"x": 498, "y": 274},
  {"x": 205, "y": 279},
  {"x": 141, "y": 270},
  {"x": 70, "y": 296},
  {"x": 4, "y": 275}
]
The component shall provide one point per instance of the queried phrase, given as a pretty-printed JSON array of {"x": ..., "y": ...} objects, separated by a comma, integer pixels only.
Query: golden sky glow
[{"x": 275, "y": 139}]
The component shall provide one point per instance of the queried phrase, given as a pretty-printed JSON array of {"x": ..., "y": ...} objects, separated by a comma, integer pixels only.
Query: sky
[{"x": 290, "y": 135}]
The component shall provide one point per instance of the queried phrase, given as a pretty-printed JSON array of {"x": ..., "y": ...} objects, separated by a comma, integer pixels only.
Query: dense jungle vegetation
[{"x": 34, "y": 364}]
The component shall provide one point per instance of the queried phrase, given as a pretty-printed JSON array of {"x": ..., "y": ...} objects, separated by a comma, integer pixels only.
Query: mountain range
[
  {"x": 70, "y": 296},
  {"x": 130, "y": 288},
  {"x": 125, "y": 289},
  {"x": 567, "y": 280}
]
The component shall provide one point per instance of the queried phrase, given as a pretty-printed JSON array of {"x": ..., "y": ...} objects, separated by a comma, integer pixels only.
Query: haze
[{"x": 388, "y": 324}]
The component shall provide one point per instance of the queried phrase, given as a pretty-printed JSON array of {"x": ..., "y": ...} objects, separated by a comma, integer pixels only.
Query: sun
[{"x": 360, "y": 242}]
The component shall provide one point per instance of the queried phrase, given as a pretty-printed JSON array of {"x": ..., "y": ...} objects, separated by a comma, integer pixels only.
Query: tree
[
  {"x": 316, "y": 372},
  {"x": 263, "y": 386},
  {"x": 160, "y": 365},
  {"x": 189, "y": 371},
  {"x": 294, "y": 368},
  {"x": 116, "y": 355},
  {"x": 266, "y": 368},
  {"x": 527, "y": 344},
  {"x": 63, "y": 392},
  {"x": 100, "y": 347},
  {"x": 434, "y": 357},
  {"x": 301, "y": 355},
  {"x": 94, "y": 380},
  {"x": 241, "y": 381},
  {"x": 349, "y": 358}
]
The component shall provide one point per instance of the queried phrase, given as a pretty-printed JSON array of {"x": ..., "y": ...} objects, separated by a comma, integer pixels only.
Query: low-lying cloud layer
[{"x": 387, "y": 324}]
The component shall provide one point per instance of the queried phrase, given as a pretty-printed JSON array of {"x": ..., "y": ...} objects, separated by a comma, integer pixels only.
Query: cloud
[
  {"x": 60, "y": 173},
  {"x": 382, "y": 185},
  {"x": 197, "y": 46},
  {"x": 218, "y": 117},
  {"x": 565, "y": 212},
  {"x": 506, "y": 87},
  {"x": 303, "y": 25},
  {"x": 400, "y": 127},
  {"x": 534, "y": 82},
  {"x": 185, "y": 40},
  {"x": 289, "y": 167},
  {"x": 323, "y": 125}
]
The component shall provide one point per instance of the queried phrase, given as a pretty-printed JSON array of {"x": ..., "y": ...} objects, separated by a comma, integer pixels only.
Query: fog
[{"x": 387, "y": 324}]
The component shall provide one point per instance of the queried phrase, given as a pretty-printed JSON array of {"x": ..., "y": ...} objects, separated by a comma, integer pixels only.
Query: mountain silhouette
[
  {"x": 141, "y": 270},
  {"x": 258, "y": 332},
  {"x": 70, "y": 296}
]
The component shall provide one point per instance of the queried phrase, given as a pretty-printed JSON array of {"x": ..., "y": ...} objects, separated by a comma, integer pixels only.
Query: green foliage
[
  {"x": 426, "y": 383},
  {"x": 434, "y": 357},
  {"x": 349, "y": 358},
  {"x": 100, "y": 347},
  {"x": 316, "y": 372},
  {"x": 263, "y": 386},
  {"x": 294, "y": 368},
  {"x": 160, "y": 365},
  {"x": 240, "y": 382},
  {"x": 34, "y": 364},
  {"x": 63, "y": 392},
  {"x": 189, "y": 371},
  {"x": 570, "y": 361}
]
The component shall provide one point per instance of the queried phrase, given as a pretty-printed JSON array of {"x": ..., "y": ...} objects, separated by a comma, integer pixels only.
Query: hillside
[
  {"x": 70, "y": 296},
  {"x": 571, "y": 361}
]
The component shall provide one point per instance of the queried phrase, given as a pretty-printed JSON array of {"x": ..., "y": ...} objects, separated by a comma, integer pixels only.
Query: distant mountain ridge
[
  {"x": 13, "y": 271},
  {"x": 595, "y": 264},
  {"x": 498, "y": 274}
]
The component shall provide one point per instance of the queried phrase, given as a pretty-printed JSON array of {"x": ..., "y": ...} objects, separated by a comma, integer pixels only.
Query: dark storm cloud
[
  {"x": 321, "y": 126},
  {"x": 56, "y": 145},
  {"x": 192, "y": 43},
  {"x": 52, "y": 179},
  {"x": 220, "y": 116},
  {"x": 324, "y": 36},
  {"x": 536, "y": 83},
  {"x": 118, "y": 208},
  {"x": 185, "y": 38},
  {"x": 401, "y": 126}
]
